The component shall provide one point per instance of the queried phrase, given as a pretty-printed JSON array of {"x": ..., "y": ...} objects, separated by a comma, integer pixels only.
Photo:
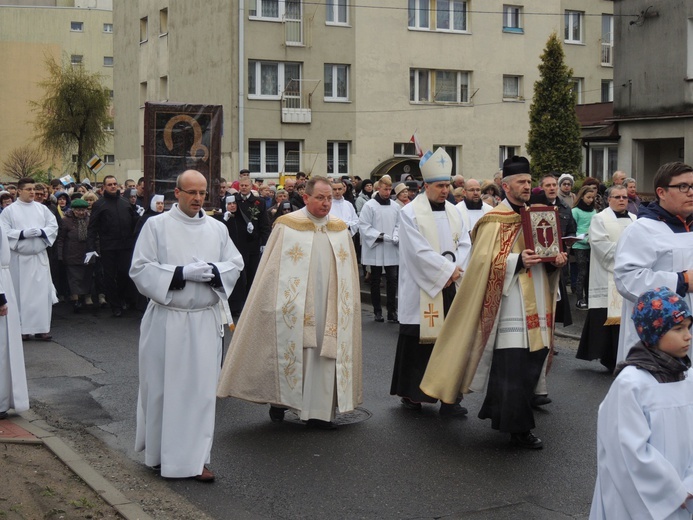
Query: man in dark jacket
[{"x": 112, "y": 224}]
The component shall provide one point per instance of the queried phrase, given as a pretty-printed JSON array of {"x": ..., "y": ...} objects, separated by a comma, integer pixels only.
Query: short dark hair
[
  {"x": 109, "y": 177},
  {"x": 24, "y": 181},
  {"x": 546, "y": 176},
  {"x": 668, "y": 171},
  {"x": 56, "y": 182},
  {"x": 140, "y": 181},
  {"x": 301, "y": 175}
]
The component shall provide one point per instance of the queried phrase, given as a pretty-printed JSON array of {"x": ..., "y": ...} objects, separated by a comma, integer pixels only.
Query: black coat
[
  {"x": 112, "y": 221},
  {"x": 255, "y": 211}
]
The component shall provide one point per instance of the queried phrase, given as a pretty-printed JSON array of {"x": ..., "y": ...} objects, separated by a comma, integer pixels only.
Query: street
[{"x": 383, "y": 461}]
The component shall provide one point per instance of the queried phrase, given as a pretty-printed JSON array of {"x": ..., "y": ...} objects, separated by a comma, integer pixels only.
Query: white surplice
[
  {"x": 644, "y": 448},
  {"x": 472, "y": 216},
  {"x": 374, "y": 219},
  {"x": 180, "y": 339},
  {"x": 13, "y": 387},
  {"x": 343, "y": 209},
  {"x": 31, "y": 273},
  {"x": 648, "y": 255}
]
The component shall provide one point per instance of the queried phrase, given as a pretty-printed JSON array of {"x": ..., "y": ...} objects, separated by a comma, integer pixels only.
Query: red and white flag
[{"x": 417, "y": 145}]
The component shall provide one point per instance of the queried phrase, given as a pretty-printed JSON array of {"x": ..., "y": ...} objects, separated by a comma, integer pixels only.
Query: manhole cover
[{"x": 355, "y": 416}]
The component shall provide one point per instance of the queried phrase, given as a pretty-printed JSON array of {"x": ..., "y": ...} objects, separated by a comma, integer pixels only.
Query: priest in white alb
[
  {"x": 31, "y": 228},
  {"x": 298, "y": 340},
  {"x": 472, "y": 207},
  {"x": 186, "y": 263},
  {"x": 342, "y": 208}
]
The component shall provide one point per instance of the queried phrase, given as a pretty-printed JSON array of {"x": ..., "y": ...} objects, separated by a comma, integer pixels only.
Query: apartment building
[
  {"x": 339, "y": 87},
  {"x": 80, "y": 31}
]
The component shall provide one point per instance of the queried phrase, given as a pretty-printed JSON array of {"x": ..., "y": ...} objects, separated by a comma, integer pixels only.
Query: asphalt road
[{"x": 387, "y": 462}]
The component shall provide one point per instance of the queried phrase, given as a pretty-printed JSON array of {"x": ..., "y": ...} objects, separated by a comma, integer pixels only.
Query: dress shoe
[
  {"x": 540, "y": 400},
  {"x": 452, "y": 410},
  {"x": 318, "y": 424},
  {"x": 379, "y": 317},
  {"x": 277, "y": 413},
  {"x": 409, "y": 404},
  {"x": 205, "y": 476},
  {"x": 392, "y": 317},
  {"x": 581, "y": 304},
  {"x": 526, "y": 440},
  {"x": 3, "y": 415},
  {"x": 43, "y": 337}
]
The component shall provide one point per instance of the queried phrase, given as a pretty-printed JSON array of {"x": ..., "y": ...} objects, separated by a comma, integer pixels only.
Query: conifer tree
[{"x": 554, "y": 132}]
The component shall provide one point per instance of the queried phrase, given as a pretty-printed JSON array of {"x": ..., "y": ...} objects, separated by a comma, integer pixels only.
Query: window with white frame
[
  {"x": 338, "y": 157},
  {"x": 108, "y": 61},
  {"x": 76, "y": 60},
  {"x": 512, "y": 18},
  {"x": 405, "y": 149},
  {"x": 607, "y": 40},
  {"x": 77, "y": 26},
  {"x": 108, "y": 27},
  {"x": 418, "y": 11},
  {"x": 274, "y": 10},
  {"x": 451, "y": 15},
  {"x": 607, "y": 90},
  {"x": 268, "y": 79},
  {"x": 505, "y": 152},
  {"x": 337, "y": 12},
  {"x": 603, "y": 161},
  {"x": 512, "y": 87},
  {"x": 452, "y": 152},
  {"x": 274, "y": 156},
  {"x": 109, "y": 159},
  {"x": 336, "y": 82},
  {"x": 577, "y": 86},
  {"x": 144, "y": 30},
  {"x": 438, "y": 86},
  {"x": 573, "y": 26}
]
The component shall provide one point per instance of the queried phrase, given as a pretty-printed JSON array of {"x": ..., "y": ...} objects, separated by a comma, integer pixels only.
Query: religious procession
[{"x": 474, "y": 283}]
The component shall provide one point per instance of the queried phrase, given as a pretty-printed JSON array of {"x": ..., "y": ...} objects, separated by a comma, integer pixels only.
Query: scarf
[
  {"x": 663, "y": 367},
  {"x": 584, "y": 206},
  {"x": 381, "y": 201}
]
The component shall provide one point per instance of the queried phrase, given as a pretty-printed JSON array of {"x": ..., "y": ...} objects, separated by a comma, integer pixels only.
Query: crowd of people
[{"x": 476, "y": 306}]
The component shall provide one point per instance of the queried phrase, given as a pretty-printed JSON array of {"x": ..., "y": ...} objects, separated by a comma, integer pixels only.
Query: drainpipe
[{"x": 241, "y": 85}]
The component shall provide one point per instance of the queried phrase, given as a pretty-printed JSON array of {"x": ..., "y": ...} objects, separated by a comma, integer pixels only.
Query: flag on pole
[{"x": 414, "y": 139}]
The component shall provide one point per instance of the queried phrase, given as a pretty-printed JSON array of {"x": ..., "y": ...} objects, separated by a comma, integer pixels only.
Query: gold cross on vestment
[{"x": 430, "y": 314}]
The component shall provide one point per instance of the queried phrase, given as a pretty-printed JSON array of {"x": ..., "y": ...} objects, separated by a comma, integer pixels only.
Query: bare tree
[{"x": 23, "y": 161}]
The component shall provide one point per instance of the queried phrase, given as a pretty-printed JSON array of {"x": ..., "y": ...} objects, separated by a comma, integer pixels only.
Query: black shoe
[
  {"x": 277, "y": 413},
  {"x": 526, "y": 440},
  {"x": 318, "y": 424},
  {"x": 392, "y": 317},
  {"x": 452, "y": 410},
  {"x": 409, "y": 404},
  {"x": 540, "y": 400},
  {"x": 581, "y": 304},
  {"x": 379, "y": 317},
  {"x": 77, "y": 306},
  {"x": 3, "y": 415}
]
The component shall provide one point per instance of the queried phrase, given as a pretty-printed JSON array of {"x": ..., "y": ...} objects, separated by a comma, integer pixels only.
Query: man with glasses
[
  {"x": 112, "y": 224},
  {"x": 31, "y": 229},
  {"x": 657, "y": 249},
  {"x": 599, "y": 338}
]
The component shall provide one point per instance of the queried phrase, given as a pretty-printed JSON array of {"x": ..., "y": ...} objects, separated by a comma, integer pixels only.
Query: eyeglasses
[
  {"x": 683, "y": 188},
  {"x": 202, "y": 194},
  {"x": 620, "y": 197}
]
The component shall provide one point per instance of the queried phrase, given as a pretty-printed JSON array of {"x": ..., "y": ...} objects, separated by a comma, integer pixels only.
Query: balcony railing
[
  {"x": 297, "y": 100},
  {"x": 607, "y": 54}
]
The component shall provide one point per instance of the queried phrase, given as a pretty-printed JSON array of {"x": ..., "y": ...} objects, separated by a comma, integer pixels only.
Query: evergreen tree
[
  {"x": 554, "y": 132},
  {"x": 73, "y": 113}
]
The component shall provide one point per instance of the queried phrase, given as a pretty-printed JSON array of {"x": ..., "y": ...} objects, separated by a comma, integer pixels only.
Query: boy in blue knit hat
[{"x": 644, "y": 432}]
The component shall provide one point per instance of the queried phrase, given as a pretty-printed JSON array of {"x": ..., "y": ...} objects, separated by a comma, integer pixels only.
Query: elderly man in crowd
[
  {"x": 298, "y": 341},
  {"x": 657, "y": 249},
  {"x": 31, "y": 228},
  {"x": 185, "y": 262}
]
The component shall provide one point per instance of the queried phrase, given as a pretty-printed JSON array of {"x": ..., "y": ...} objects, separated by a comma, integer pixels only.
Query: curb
[{"x": 125, "y": 507}]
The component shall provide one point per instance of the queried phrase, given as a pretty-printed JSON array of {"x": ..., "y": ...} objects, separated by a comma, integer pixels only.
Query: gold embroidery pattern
[
  {"x": 290, "y": 367},
  {"x": 345, "y": 303},
  {"x": 309, "y": 320},
  {"x": 342, "y": 254},
  {"x": 345, "y": 363},
  {"x": 331, "y": 330},
  {"x": 289, "y": 307},
  {"x": 296, "y": 253}
]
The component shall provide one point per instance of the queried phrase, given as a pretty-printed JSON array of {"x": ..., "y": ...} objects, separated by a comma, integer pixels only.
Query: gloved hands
[
  {"x": 198, "y": 271},
  {"x": 250, "y": 227},
  {"x": 89, "y": 256},
  {"x": 387, "y": 238},
  {"x": 262, "y": 249},
  {"x": 32, "y": 232},
  {"x": 140, "y": 210},
  {"x": 227, "y": 216}
]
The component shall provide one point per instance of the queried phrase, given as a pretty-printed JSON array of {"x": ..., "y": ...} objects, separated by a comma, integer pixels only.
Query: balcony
[
  {"x": 607, "y": 53},
  {"x": 297, "y": 100}
]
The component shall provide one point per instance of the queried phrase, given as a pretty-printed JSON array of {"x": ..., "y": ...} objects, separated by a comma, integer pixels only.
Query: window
[
  {"x": 452, "y": 152},
  {"x": 336, "y": 82},
  {"x": 143, "y": 29},
  {"x": 451, "y": 15},
  {"x": 512, "y": 18},
  {"x": 163, "y": 22},
  {"x": 108, "y": 127},
  {"x": 505, "y": 152},
  {"x": 607, "y": 40},
  {"x": 418, "y": 14},
  {"x": 108, "y": 61},
  {"x": 338, "y": 157},
  {"x": 77, "y": 26},
  {"x": 274, "y": 156},
  {"x": 603, "y": 161},
  {"x": 408, "y": 149},
  {"x": 76, "y": 60},
  {"x": 512, "y": 87},
  {"x": 607, "y": 90},
  {"x": 274, "y": 9},
  {"x": 573, "y": 26},
  {"x": 438, "y": 86},
  {"x": 268, "y": 79},
  {"x": 108, "y": 27},
  {"x": 337, "y": 12},
  {"x": 577, "y": 87},
  {"x": 163, "y": 88},
  {"x": 109, "y": 159}
]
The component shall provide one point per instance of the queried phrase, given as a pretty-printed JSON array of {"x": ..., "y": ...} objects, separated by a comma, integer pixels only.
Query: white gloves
[
  {"x": 32, "y": 232},
  {"x": 250, "y": 227},
  {"x": 395, "y": 240},
  {"x": 140, "y": 210},
  {"x": 198, "y": 271},
  {"x": 387, "y": 238},
  {"x": 227, "y": 216},
  {"x": 88, "y": 257},
  {"x": 262, "y": 249}
]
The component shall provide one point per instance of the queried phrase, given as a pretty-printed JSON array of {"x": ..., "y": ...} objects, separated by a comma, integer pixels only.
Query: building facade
[{"x": 338, "y": 87}]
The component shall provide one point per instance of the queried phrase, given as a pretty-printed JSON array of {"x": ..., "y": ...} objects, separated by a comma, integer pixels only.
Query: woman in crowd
[
  {"x": 5, "y": 199},
  {"x": 458, "y": 194},
  {"x": 365, "y": 195},
  {"x": 583, "y": 211},
  {"x": 72, "y": 247},
  {"x": 64, "y": 202},
  {"x": 401, "y": 194},
  {"x": 280, "y": 197},
  {"x": 488, "y": 187},
  {"x": 90, "y": 197},
  {"x": 565, "y": 189}
]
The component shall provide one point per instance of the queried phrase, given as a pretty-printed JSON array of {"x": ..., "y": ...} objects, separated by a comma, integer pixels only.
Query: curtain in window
[
  {"x": 510, "y": 87},
  {"x": 269, "y": 76},
  {"x": 270, "y": 8},
  {"x": 446, "y": 86},
  {"x": 342, "y": 81},
  {"x": 443, "y": 14},
  {"x": 292, "y": 77},
  {"x": 460, "y": 15}
]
